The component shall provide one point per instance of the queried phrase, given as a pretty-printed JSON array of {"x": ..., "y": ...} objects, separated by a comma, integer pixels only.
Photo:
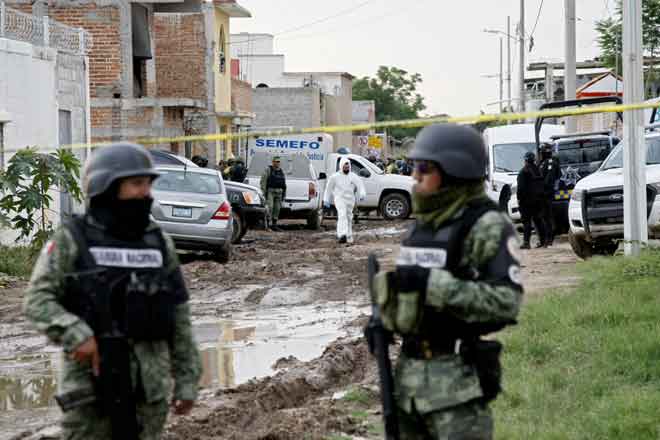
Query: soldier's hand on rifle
[
  {"x": 88, "y": 351},
  {"x": 182, "y": 407}
]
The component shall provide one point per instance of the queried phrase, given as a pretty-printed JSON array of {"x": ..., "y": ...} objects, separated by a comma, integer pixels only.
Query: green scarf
[{"x": 436, "y": 209}]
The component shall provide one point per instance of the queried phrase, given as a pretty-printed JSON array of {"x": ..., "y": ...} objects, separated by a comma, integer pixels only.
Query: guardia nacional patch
[{"x": 130, "y": 258}]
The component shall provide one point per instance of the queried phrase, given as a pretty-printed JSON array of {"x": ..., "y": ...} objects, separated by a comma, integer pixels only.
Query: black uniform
[
  {"x": 530, "y": 201},
  {"x": 551, "y": 173}
]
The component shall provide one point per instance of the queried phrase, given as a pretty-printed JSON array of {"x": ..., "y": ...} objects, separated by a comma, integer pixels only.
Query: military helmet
[
  {"x": 117, "y": 161},
  {"x": 458, "y": 149},
  {"x": 530, "y": 157}
]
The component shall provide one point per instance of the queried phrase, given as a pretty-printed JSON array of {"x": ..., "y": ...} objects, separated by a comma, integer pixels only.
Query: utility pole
[
  {"x": 635, "y": 224},
  {"x": 508, "y": 60},
  {"x": 501, "y": 74},
  {"x": 570, "y": 74},
  {"x": 522, "y": 55}
]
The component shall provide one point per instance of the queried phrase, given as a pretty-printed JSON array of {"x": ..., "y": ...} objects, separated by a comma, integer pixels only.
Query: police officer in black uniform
[
  {"x": 551, "y": 172},
  {"x": 530, "y": 193}
]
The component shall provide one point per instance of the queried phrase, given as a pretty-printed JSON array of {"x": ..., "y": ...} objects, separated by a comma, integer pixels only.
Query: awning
[
  {"x": 140, "y": 28},
  {"x": 608, "y": 84}
]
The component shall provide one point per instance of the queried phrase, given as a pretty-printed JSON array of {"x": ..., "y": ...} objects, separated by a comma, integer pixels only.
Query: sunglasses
[{"x": 424, "y": 167}]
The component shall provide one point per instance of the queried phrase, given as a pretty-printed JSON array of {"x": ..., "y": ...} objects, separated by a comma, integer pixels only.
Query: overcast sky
[{"x": 443, "y": 40}]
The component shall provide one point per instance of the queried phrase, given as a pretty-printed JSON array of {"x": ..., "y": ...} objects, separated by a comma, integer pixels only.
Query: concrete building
[
  {"x": 261, "y": 67},
  {"x": 44, "y": 89},
  {"x": 159, "y": 68}
]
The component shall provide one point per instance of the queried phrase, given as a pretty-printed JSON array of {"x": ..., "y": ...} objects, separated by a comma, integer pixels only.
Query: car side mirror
[
  {"x": 364, "y": 173},
  {"x": 322, "y": 176}
]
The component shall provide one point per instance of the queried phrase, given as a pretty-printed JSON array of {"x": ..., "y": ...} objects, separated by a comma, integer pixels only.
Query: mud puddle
[{"x": 233, "y": 350}]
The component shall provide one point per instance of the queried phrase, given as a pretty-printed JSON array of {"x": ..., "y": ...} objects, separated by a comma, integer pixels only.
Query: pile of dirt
[{"x": 284, "y": 406}]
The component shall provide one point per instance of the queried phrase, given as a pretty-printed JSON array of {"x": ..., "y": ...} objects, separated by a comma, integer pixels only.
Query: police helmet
[
  {"x": 114, "y": 162},
  {"x": 530, "y": 157},
  {"x": 458, "y": 149}
]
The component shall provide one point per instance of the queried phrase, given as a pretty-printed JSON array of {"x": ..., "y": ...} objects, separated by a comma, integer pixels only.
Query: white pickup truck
[
  {"x": 595, "y": 210},
  {"x": 389, "y": 194}
]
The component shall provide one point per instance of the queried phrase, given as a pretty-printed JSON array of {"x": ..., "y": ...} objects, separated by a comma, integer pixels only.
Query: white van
[
  {"x": 389, "y": 194},
  {"x": 506, "y": 147}
]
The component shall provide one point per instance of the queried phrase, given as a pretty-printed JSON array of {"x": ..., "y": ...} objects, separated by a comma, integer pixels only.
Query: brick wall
[
  {"x": 180, "y": 56},
  {"x": 105, "y": 58},
  {"x": 241, "y": 95}
]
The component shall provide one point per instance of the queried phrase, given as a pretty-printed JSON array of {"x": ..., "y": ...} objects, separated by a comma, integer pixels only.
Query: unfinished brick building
[{"x": 156, "y": 68}]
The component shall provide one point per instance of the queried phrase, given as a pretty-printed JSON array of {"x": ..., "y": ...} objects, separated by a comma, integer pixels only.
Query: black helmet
[
  {"x": 546, "y": 149},
  {"x": 114, "y": 162},
  {"x": 530, "y": 157},
  {"x": 458, "y": 149}
]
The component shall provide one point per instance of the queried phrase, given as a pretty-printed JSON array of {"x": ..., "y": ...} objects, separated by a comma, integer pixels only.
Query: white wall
[
  {"x": 36, "y": 82},
  {"x": 27, "y": 94},
  {"x": 263, "y": 69},
  {"x": 251, "y": 44}
]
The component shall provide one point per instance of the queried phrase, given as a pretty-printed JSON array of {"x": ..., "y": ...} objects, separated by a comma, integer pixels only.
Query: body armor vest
[
  {"x": 120, "y": 287},
  {"x": 276, "y": 179},
  {"x": 443, "y": 249}
]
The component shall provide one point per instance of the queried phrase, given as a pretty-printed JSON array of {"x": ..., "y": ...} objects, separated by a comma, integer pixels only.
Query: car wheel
[
  {"x": 238, "y": 228},
  {"x": 395, "y": 206},
  {"x": 505, "y": 196},
  {"x": 580, "y": 246},
  {"x": 315, "y": 219},
  {"x": 223, "y": 254}
]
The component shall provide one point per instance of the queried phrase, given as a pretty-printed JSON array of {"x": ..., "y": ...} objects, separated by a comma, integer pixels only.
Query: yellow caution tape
[{"x": 405, "y": 123}]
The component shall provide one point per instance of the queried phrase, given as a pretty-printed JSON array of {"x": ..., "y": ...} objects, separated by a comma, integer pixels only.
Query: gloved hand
[
  {"x": 412, "y": 279},
  {"x": 400, "y": 295},
  {"x": 326, "y": 205}
]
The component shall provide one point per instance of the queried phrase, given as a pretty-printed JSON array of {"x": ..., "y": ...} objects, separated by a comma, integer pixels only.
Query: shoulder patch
[{"x": 50, "y": 247}]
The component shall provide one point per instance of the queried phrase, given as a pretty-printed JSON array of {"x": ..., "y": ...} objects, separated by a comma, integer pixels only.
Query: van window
[
  {"x": 508, "y": 158},
  {"x": 296, "y": 166}
]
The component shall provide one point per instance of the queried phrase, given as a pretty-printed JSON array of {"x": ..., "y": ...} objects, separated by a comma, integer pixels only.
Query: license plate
[{"x": 181, "y": 212}]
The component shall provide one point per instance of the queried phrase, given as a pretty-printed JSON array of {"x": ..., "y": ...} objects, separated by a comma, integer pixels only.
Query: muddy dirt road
[{"x": 278, "y": 329}]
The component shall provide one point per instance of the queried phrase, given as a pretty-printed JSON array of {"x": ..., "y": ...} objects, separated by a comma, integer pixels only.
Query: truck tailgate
[{"x": 296, "y": 190}]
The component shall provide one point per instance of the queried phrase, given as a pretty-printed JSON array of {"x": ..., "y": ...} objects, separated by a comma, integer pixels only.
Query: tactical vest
[
  {"x": 276, "y": 179},
  {"x": 119, "y": 287},
  {"x": 443, "y": 249}
]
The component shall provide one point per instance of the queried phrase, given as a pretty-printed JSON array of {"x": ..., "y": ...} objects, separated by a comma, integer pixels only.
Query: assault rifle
[{"x": 379, "y": 339}]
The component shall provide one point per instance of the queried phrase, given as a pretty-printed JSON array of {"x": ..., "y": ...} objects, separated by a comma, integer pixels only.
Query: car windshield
[
  {"x": 186, "y": 181},
  {"x": 508, "y": 158},
  {"x": 583, "y": 151},
  {"x": 652, "y": 154}
]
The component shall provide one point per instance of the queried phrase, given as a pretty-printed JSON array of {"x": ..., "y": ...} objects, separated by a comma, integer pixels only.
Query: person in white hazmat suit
[{"x": 344, "y": 187}]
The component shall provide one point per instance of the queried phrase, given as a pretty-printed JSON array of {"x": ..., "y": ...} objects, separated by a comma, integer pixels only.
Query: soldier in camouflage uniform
[
  {"x": 112, "y": 275},
  {"x": 457, "y": 278}
]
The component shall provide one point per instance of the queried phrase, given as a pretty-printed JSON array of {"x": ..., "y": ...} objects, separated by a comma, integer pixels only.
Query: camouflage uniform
[
  {"x": 274, "y": 195},
  {"x": 439, "y": 397},
  {"x": 153, "y": 364}
]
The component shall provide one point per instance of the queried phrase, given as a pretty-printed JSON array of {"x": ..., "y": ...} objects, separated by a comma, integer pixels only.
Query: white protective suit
[{"x": 344, "y": 189}]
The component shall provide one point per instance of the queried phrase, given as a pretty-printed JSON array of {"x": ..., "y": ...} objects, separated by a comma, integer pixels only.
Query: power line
[
  {"x": 371, "y": 20},
  {"x": 315, "y": 22},
  {"x": 531, "y": 35}
]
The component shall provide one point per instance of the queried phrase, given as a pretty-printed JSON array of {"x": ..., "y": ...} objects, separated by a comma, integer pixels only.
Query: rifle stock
[{"x": 381, "y": 340}]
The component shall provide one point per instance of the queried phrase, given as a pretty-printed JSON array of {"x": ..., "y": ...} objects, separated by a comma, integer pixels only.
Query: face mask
[{"x": 125, "y": 219}]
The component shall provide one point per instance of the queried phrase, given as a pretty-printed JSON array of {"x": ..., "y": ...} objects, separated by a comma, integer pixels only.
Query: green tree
[
  {"x": 395, "y": 92},
  {"x": 25, "y": 202},
  {"x": 610, "y": 35}
]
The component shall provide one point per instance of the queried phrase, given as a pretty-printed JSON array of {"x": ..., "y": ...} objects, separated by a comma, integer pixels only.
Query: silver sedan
[{"x": 191, "y": 205}]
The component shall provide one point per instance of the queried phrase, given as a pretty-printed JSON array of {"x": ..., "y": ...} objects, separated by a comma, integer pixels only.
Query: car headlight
[
  {"x": 251, "y": 198},
  {"x": 576, "y": 196}
]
